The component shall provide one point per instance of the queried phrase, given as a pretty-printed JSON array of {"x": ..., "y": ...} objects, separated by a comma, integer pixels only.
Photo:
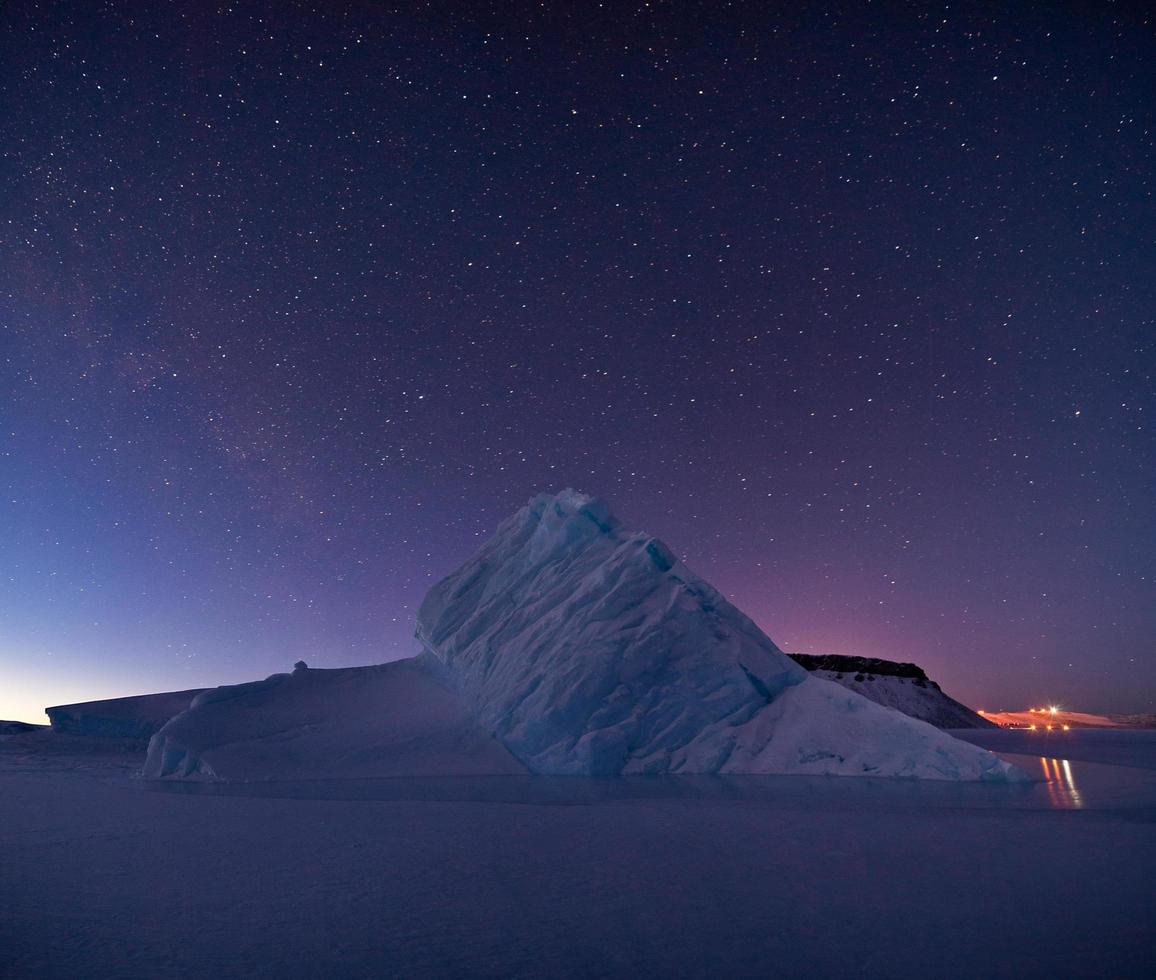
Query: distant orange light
[
  {"x": 1049, "y": 728},
  {"x": 1067, "y": 728},
  {"x": 1032, "y": 727},
  {"x": 1053, "y": 709}
]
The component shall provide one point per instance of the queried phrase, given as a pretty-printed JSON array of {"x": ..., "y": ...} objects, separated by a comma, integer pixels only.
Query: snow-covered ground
[{"x": 104, "y": 875}]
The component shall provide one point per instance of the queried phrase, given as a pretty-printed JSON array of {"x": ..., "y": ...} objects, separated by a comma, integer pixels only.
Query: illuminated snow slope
[{"x": 591, "y": 650}]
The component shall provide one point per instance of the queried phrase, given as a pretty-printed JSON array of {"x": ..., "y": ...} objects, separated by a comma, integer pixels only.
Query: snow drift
[{"x": 568, "y": 646}]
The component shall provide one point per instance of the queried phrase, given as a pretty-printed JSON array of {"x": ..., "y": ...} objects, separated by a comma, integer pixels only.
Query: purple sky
[{"x": 853, "y": 309}]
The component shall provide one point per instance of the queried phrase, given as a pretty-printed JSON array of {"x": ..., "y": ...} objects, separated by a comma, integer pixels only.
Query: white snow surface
[
  {"x": 821, "y": 728},
  {"x": 395, "y": 719},
  {"x": 591, "y": 650}
]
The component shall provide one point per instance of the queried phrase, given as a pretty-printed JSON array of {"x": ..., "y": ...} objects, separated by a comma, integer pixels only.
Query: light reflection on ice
[{"x": 1060, "y": 783}]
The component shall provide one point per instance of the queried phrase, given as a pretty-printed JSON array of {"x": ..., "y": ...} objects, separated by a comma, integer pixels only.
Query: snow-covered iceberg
[
  {"x": 397, "y": 719},
  {"x": 567, "y": 645},
  {"x": 591, "y": 650},
  {"x": 136, "y": 717}
]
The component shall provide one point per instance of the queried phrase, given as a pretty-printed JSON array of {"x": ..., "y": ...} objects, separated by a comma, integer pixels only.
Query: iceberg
[
  {"x": 591, "y": 650},
  {"x": 567, "y": 645},
  {"x": 135, "y": 717},
  {"x": 588, "y": 649},
  {"x": 396, "y": 719}
]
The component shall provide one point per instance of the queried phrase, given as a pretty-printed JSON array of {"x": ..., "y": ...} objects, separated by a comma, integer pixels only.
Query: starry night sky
[{"x": 852, "y": 305}]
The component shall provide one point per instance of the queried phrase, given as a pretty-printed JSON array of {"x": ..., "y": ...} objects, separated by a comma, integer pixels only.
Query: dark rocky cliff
[{"x": 902, "y": 686}]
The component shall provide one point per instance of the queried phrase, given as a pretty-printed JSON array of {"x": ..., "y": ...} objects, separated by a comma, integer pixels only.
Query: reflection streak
[{"x": 1061, "y": 784}]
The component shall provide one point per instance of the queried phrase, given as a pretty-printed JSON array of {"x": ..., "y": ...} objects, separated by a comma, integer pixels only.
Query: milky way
[{"x": 853, "y": 309}]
